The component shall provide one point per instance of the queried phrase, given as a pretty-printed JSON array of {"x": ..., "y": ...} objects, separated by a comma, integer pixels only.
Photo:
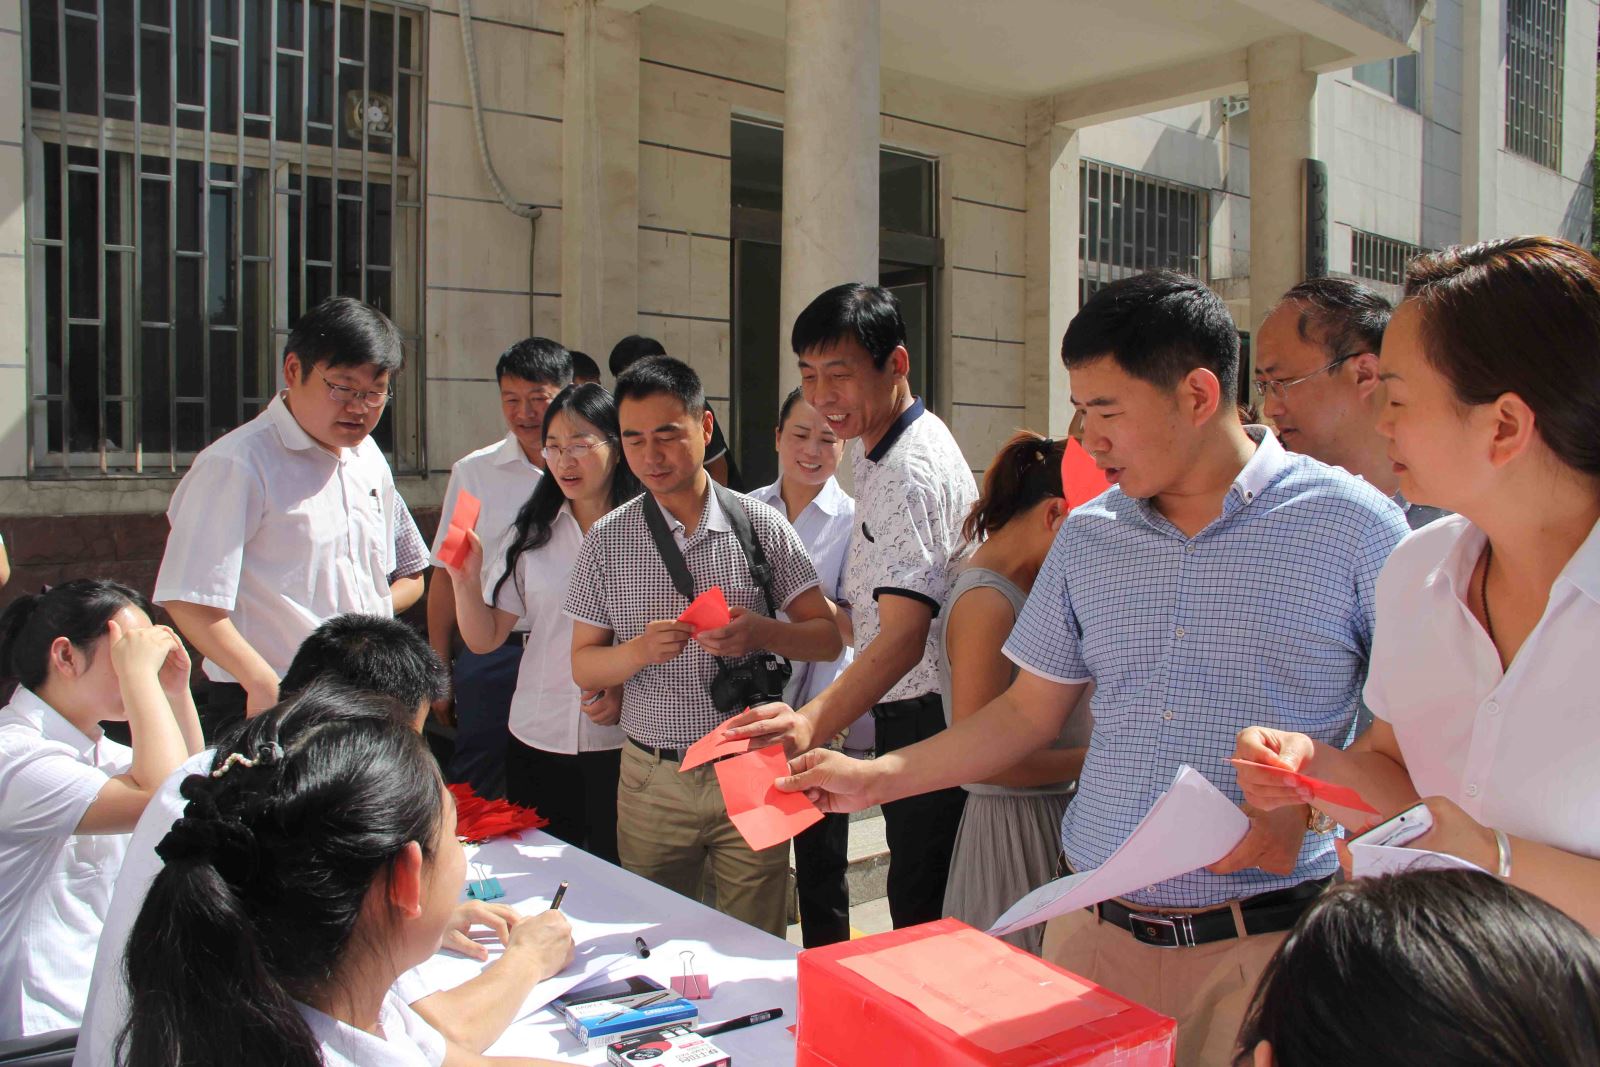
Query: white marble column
[
  {"x": 1483, "y": 83},
  {"x": 1051, "y": 245},
  {"x": 830, "y": 156},
  {"x": 599, "y": 178},
  {"x": 1282, "y": 137}
]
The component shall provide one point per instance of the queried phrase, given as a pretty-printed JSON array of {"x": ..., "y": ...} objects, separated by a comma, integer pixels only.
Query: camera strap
[{"x": 678, "y": 569}]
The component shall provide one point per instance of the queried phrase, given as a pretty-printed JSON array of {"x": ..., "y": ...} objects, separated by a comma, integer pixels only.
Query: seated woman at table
[
  {"x": 84, "y": 652},
  {"x": 565, "y": 748},
  {"x": 310, "y": 869},
  {"x": 1010, "y": 833},
  {"x": 1439, "y": 967},
  {"x": 1483, "y": 667}
]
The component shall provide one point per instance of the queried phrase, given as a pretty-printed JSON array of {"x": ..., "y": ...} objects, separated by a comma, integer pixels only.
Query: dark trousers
[
  {"x": 921, "y": 830},
  {"x": 821, "y": 857},
  {"x": 578, "y": 794},
  {"x": 483, "y": 688},
  {"x": 224, "y": 709}
]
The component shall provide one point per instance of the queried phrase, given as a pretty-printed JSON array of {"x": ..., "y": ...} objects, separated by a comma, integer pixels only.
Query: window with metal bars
[
  {"x": 200, "y": 173},
  {"x": 1536, "y": 33},
  {"x": 1382, "y": 260},
  {"x": 1131, "y": 222}
]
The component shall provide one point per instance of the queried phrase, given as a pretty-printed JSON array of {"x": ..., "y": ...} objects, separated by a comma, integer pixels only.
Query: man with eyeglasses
[
  {"x": 1317, "y": 380},
  {"x": 292, "y": 518},
  {"x": 502, "y": 476}
]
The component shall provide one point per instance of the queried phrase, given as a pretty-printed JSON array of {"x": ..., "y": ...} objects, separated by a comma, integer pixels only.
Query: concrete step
[{"x": 868, "y": 873}]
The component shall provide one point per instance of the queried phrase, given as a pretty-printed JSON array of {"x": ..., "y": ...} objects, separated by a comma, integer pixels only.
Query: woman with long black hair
[
  {"x": 311, "y": 868},
  {"x": 564, "y": 751},
  {"x": 85, "y": 652}
]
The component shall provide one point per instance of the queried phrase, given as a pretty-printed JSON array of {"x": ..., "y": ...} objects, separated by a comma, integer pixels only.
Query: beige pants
[
  {"x": 1206, "y": 988},
  {"x": 671, "y": 825}
]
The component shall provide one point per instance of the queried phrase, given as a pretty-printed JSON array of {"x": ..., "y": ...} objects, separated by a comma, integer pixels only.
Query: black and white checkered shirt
[{"x": 620, "y": 584}]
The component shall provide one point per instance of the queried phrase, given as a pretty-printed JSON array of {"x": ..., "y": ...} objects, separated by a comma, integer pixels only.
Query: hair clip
[{"x": 268, "y": 754}]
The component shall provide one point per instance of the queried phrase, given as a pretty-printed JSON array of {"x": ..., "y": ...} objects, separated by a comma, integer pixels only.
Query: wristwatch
[{"x": 1320, "y": 822}]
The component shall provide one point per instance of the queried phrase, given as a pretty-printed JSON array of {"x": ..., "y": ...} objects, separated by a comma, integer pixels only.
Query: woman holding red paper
[
  {"x": 1010, "y": 831},
  {"x": 1483, "y": 669},
  {"x": 564, "y": 752}
]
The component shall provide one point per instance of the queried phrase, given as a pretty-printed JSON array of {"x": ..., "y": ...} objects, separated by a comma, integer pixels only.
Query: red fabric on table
[
  {"x": 478, "y": 819},
  {"x": 846, "y": 1017}
]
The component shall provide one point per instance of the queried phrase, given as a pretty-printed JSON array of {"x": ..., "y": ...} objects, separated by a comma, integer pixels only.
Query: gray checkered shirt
[{"x": 620, "y": 584}]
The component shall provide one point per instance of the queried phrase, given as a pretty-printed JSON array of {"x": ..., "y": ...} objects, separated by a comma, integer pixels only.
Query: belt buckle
[{"x": 1162, "y": 931}]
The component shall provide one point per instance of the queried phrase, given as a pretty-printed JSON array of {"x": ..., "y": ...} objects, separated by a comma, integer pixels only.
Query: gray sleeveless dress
[{"x": 1010, "y": 838}]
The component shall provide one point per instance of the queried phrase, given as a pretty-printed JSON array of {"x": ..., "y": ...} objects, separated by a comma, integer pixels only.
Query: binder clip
[
  {"x": 485, "y": 886},
  {"x": 690, "y": 986}
]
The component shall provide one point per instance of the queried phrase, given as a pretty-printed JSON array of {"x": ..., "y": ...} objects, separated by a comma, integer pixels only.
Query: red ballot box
[{"x": 945, "y": 995}]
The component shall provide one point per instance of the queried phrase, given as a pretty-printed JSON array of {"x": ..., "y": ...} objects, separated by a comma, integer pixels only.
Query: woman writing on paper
[
  {"x": 565, "y": 747},
  {"x": 1483, "y": 667},
  {"x": 312, "y": 867},
  {"x": 1010, "y": 831}
]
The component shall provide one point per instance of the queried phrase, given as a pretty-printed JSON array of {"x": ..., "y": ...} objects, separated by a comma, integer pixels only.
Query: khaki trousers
[
  {"x": 670, "y": 826},
  {"x": 1206, "y": 988}
]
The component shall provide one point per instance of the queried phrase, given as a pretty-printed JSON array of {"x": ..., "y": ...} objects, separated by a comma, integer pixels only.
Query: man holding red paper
[
  {"x": 1221, "y": 581},
  {"x": 651, "y": 580}
]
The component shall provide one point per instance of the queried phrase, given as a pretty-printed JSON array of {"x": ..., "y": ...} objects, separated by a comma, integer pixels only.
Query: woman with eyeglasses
[
  {"x": 1483, "y": 668},
  {"x": 565, "y": 747}
]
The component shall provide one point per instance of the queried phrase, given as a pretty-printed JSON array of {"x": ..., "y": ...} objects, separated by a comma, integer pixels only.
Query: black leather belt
[
  {"x": 673, "y": 754},
  {"x": 517, "y": 639},
  {"x": 1265, "y": 913}
]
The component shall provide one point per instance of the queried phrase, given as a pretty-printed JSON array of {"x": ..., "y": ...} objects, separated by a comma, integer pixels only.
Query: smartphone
[{"x": 1400, "y": 830}]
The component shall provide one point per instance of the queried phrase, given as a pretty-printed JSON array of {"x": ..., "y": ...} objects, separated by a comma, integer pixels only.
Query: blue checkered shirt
[{"x": 1263, "y": 618}]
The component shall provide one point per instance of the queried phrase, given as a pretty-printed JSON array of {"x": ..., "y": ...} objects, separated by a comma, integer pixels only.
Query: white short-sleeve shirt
[
  {"x": 545, "y": 709},
  {"x": 824, "y": 527},
  {"x": 106, "y": 1008},
  {"x": 406, "y": 1041},
  {"x": 281, "y": 533},
  {"x": 55, "y": 885},
  {"x": 913, "y": 491},
  {"x": 1515, "y": 749},
  {"x": 502, "y": 477}
]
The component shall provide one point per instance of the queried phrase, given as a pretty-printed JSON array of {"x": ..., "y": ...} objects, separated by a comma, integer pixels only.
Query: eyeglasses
[
  {"x": 1278, "y": 388},
  {"x": 344, "y": 396},
  {"x": 579, "y": 452}
]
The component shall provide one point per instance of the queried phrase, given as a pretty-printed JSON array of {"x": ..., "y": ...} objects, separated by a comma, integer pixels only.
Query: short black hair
[
  {"x": 630, "y": 350},
  {"x": 662, "y": 374},
  {"x": 374, "y": 654},
  {"x": 343, "y": 332},
  {"x": 536, "y": 359},
  {"x": 1157, "y": 326},
  {"x": 866, "y": 314},
  {"x": 1340, "y": 314},
  {"x": 584, "y": 368}
]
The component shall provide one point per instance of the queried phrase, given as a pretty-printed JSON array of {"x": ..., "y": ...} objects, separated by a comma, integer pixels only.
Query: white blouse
[
  {"x": 55, "y": 885},
  {"x": 407, "y": 1041},
  {"x": 546, "y": 710},
  {"x": 1515, "y": 749}
]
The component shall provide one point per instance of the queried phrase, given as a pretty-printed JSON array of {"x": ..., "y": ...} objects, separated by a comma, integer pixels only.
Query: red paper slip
[
  {"x": 762, "y": 813},
  {"x": 1081, "y": 478},
  {"x": 463, "y": 517},
  {"x": 1341, "y": 795},
  {"x": 971, "y": 983},
  {"x": 708, "y": 611},
  {"x": 712, "y": 746}
]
